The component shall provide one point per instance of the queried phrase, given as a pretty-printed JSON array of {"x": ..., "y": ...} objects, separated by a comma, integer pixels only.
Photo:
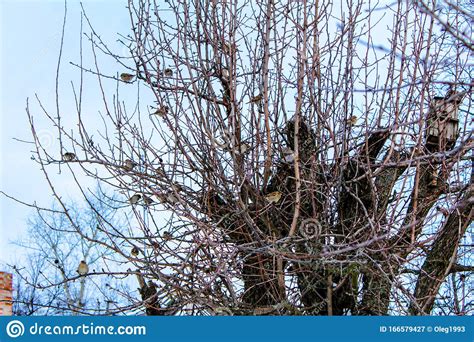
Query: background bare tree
[
  {"x": 46, "y": 277},
  {"x": 298, "y": 157}
]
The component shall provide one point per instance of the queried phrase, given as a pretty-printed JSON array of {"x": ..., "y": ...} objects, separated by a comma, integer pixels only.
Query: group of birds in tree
[
  {"x": 128, "y": 165},
  {"x": 229, "y": 145},
  {"x": 137, "y": 197},
  {"x": 128, "y": 78},
  {"x": 161, "y": 110},
  {"x": 83, "y": 268}
]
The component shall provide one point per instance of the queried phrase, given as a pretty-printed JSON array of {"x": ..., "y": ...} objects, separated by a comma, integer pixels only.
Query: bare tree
[
  {"x": 48, "y": 278},
  {"x": 299, "y": 157}
]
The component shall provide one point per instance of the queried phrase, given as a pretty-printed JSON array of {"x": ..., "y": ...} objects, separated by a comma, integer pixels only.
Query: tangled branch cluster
[{"x": 274, "y": 167}]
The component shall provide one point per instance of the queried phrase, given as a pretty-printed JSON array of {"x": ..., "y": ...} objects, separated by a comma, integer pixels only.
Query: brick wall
[{"x": 6, "y": 289}]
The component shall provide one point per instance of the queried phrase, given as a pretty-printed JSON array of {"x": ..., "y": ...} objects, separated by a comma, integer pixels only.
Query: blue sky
[{"x": 30, "y": 41}]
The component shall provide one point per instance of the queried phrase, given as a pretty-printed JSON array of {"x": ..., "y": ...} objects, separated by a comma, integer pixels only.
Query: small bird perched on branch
[
  {"x": 273, "y": 197},
  {"x": 147, "y": 200},
  {"x": 162, "y": 111},
  {"x": 167, "y": 236},
  {"x": 244, "y": 147},
  {"x": 69, "y": 156},
  {"x": 352, "y": 120},
  {"x": 129, "y": 164},
  {"x": 225, "y": 73},
  {"x": 135, "y": 251},
  {"x": 256, "y": 99},
  {"x": 168, "y": 72},
  {"x": 83, "y": 269},
  {"x": 227, "y": 48},
  {"x": 171, "y": 198},
  {"x": 135, "y": 198},
  {"x": 126, "y": 77},
  {"x": 434, "y": 178},
  {"x": 288, "y": 155}
]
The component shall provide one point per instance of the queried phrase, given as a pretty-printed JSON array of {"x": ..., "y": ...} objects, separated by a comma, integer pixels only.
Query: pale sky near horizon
[{"x": 30, "y": 41}]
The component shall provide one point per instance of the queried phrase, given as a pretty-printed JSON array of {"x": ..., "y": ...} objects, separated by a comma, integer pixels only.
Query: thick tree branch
[{"x": 442, "y": 255}]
